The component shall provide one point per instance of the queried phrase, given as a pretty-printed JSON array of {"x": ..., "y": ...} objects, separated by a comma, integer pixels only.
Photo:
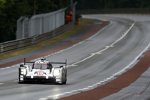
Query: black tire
[
  {"x": 20, "y": 81},
  {"x": 61, "y": 83},
  {"x": 65, "y": 82},
  {"x": 65, "y": 79}
]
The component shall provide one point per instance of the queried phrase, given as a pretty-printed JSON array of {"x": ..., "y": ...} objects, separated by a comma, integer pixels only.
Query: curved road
[{"x": 91, "y": 61}]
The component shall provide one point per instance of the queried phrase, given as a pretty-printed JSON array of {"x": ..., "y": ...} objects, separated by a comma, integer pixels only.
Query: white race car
[{"x": 43, "y": 70}]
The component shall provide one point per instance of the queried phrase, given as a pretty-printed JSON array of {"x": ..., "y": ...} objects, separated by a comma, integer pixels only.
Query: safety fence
[
  {"x": 38, "y": 24},
  {"x": 15, "y": 44}
]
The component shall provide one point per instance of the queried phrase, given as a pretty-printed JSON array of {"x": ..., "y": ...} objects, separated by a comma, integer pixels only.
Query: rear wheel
[
  {"x": 65, "y": 79},
  {"x": 62, "y": 81},
  {"x": 65, "y": 82}
]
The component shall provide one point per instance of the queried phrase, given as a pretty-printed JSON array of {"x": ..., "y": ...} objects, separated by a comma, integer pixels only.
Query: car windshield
[{"x": 40, "y": 66}]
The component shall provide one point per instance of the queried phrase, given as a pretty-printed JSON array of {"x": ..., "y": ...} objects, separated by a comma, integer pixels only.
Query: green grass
[{"x": 45, "y": 43}]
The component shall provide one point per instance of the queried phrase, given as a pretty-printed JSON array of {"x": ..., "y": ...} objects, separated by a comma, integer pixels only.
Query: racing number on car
[{"x": 40, "y": 73}]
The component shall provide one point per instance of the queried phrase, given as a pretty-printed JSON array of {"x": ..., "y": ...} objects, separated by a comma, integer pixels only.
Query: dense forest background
[
  {"x": 115, "y": 4},
  {"x": 11, "y": 10}
]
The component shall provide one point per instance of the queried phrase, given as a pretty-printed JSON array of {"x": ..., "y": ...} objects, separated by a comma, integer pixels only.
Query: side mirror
[
  {"x": 61, "y": 66},
  {"x": 21, "y": 65}
]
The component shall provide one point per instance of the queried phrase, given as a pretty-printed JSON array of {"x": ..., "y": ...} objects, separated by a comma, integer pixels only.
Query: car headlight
[
  {"x": 23, "y": 71},
  {"x": 56, "y": 72}
]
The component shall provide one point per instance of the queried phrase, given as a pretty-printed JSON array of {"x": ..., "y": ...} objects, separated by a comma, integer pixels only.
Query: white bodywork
[{"x": 43, "y": 70}]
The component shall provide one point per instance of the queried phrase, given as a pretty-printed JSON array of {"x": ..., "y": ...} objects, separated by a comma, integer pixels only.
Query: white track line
[
  {"x": 114, "y": 76},
  {"x": 10, "y": 67},
  {"x": 106, "y": 47},
  {"x": 79, "y": 42}
]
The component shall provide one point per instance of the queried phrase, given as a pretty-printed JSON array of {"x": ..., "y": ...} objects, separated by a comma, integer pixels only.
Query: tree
[
  {"x": 109, "y": 4},
  {"x": 11, "y": 10}
]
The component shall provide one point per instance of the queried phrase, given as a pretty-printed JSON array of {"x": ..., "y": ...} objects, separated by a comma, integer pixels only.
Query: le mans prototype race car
[{"x": 43, "y": 70}]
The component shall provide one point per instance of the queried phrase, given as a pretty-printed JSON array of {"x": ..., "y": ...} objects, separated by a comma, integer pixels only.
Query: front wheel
[{"x": 21, "y": 79}]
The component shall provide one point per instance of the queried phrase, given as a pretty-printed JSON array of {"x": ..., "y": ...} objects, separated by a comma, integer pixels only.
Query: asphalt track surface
[
  {"x": 91, "y": 61},
  {"x": 138, "y": 90}
]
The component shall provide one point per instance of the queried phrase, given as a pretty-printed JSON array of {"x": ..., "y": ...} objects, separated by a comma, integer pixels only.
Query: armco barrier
[{"x": 15, "y": 44}]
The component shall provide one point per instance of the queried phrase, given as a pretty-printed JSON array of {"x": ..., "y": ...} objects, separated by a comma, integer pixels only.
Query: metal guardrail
[{"x": 15, "y": 44}]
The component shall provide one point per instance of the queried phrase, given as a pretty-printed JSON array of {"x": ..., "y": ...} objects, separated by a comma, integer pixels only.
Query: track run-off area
[{"x": 95, "y": 61}]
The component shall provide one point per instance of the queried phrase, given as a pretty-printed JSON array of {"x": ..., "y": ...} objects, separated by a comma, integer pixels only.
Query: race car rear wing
[{"x": 65, "y": 63}]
